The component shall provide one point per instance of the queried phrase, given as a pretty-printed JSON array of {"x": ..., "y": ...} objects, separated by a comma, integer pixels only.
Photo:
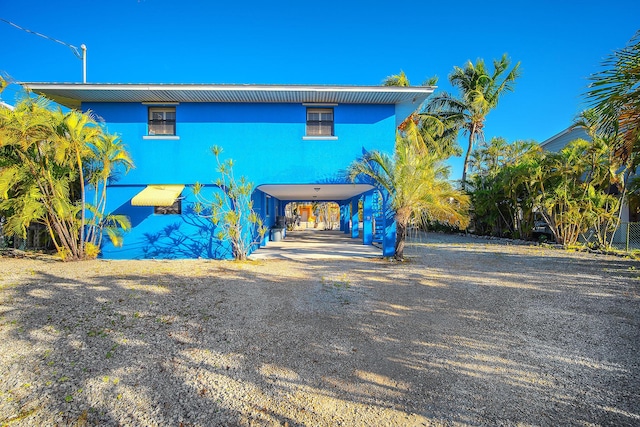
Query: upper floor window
[
  {"x": 162, "y": 120},
  {"x": 319, "y": 121}
]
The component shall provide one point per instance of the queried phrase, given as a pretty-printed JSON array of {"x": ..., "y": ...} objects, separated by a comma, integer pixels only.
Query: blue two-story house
[{"x": 292, "y": 142}]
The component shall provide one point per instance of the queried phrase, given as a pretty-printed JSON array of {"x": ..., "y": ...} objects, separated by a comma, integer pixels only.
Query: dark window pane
[
  {"x": 162, "y": 121},
  {"x": 320, "y": 122},
  {"x": 175, "y": 209}
]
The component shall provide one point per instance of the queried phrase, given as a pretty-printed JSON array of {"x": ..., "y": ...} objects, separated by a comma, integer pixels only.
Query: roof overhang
[
  {"x": 72, "y": 95},
  {"x": 314, "y": 192},
  {"x": 570, "y": 129}
]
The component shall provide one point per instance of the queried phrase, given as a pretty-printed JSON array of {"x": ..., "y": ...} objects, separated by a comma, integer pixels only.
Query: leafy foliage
[
  {"x": 480, "y": 90},
  {"x": 573, "y": 190},
  {"x": 232, "y": 210},
  {"x": 417, "y": 182},
  {"x": 47, "y": 157},
  {"x": 501, "y": 187},
  {"x": 614, "y": 94}
]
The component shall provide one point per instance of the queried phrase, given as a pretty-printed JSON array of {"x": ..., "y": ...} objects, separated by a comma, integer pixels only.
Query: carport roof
[
  {"x": 72, "y": 95},
  {"x": 314, "y": 192}
]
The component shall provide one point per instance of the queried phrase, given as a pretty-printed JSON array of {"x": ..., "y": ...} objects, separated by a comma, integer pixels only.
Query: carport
[{"x": 376, "y": 227}]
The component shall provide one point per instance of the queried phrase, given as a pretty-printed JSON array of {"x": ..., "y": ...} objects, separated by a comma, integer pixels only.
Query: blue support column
[
  {"x": 347, "y": 217},
  {"x": 343, "y": 216},
  {"x": 367, "y": 217},
  {"x": 354, "y": 218},
  {"x": 389, "y": 239}
]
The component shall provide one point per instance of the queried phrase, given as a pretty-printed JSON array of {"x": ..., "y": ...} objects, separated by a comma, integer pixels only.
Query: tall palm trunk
[
  {"x": 402, "y": 221},
  {"x": 83, "y": 202},
  {"x": 472, "y": 136}
]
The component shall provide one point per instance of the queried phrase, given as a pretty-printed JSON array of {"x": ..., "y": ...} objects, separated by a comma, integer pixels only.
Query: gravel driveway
[{"x": 467, "y": 332}]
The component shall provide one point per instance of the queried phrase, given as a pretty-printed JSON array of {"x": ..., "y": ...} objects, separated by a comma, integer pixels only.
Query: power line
[{"x": 73, "y": 48}]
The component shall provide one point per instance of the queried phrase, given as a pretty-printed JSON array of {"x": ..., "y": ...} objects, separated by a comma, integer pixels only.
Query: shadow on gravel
[{"x": 462, "y": 333}]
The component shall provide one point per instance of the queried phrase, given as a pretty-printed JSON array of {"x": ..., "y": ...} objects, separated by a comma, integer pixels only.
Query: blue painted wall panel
[
  {"x": 264, "y": 140},
  {"x": 170, "y": 236}
]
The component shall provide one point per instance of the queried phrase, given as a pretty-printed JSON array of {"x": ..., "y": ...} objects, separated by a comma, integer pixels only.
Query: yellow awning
[{"x": 157, "y": 195}]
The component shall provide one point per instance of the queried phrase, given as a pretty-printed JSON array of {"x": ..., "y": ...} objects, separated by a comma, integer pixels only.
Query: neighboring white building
[{"x": 558, "y": 141}]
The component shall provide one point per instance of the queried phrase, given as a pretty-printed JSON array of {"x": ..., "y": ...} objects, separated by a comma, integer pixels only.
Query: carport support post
[
  {"x": 389, "y": 239},
  {"x": 355, "y": 219},
  {"x": 367, "y": 218},
  {"x": 344, "y": 217}
]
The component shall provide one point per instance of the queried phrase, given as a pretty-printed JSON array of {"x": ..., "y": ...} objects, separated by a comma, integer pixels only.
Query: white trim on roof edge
[
  {"x": 559, "y": 134},
  {"x": 74, "y": 94}
]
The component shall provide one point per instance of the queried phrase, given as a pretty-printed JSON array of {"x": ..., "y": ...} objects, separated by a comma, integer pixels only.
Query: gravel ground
[{"x": 467, "y": 332}]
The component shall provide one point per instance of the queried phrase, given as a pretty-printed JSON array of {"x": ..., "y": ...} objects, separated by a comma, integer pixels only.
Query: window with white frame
[
  {"x": 319, "y": 121},
  {"x": 162, "y": 120}
]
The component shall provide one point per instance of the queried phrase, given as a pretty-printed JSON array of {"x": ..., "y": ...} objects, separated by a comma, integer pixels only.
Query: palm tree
[
  {"x": 76, "y": 132},
  {"x": 397, "y": 80},
  {"x": 416, "y": 180},
  {"x": 109, "y": 159},
  {"x": 43, "y": 158},
  {"x": 614, "y": 94},
  {"x": 480, "y": 91},
  {"x": 402, "y": 80},
  {"x": 35, "y": 182},
  {"x": 437, "y": 133}
]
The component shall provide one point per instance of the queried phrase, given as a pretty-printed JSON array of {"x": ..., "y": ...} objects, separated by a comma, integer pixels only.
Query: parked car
[{"x": 542, "y": 231}]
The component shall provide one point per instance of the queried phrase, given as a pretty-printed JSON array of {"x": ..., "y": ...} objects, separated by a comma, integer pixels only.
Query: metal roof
[{"x": 74, "y": 94}]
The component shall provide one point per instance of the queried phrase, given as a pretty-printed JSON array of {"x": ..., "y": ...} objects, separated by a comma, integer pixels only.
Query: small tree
[
  {"x": 109, "y": 159},
  {"x": 231, "y": 210}
]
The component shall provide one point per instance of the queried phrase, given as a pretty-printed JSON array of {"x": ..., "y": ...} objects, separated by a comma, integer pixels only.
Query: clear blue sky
[{"x": 559, "y": 44}]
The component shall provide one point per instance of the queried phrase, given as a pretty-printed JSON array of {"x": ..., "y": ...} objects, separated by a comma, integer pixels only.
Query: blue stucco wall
[
  {"x": 266, "y": 144},
  {"x": 264, "y": 140},
  {"x": 188, "y": 235}
]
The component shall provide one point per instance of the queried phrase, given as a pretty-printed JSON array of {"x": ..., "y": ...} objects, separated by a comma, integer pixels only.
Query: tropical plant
[
  {"x": 437, "y": 133},
  {"x": 109, "y": 159},
  {"x": 501, "y": 189},
  {"x": 231, "y": 209},
  {"x": 396, "y": 80},
  {"x": 480, "y": 90},
  {"x": 44, "y": 156},
  {"x": 75, "y": 132},
  {"x": 416, "y": 181},
  {"x": 576, "y": 190},
  {"x": 402, "y": 80},
  {"x": 614, "y": 94}
]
